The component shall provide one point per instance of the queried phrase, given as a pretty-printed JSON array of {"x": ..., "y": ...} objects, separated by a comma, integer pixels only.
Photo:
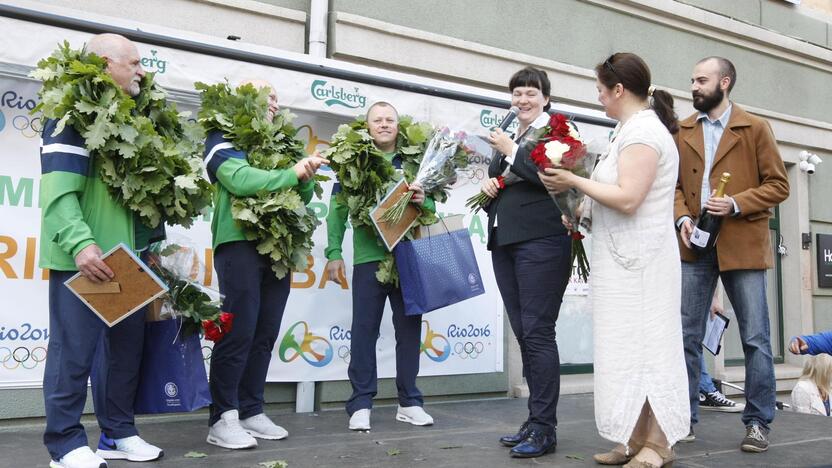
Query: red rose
[
  {"x": 501, "y": 182},
  {"x": 212, "y": 331},
  {"x": 226, "y": 320},
  {"x": 576, "y": 235},
  {"x": 538, "y": 156}
]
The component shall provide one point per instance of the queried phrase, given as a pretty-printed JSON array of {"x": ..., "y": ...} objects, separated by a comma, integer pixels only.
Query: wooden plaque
[
  {"x": 133, "y": 286},
  {"x": 391, "y": 234}
]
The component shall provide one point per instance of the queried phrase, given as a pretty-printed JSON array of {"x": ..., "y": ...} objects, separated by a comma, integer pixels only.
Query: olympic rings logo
[
  {"x": 429, "y": 345},
  {"x": 28, "y": 127},
  {"x": 313, "y": 349},
  {"x": 468, "y": 350},
  {"x": 207, "y": 351},
  {"x": 22, "y": 357},
  {"x": 344, "y": 353}
]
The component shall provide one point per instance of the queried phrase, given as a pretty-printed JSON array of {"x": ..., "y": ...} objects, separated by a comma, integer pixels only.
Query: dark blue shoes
[
  {"x": 530, "y": 442},
  {"x": 514, "y": 439}
]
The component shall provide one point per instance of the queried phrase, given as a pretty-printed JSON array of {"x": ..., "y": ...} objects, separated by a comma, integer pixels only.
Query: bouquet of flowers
[
  {"x": 437, "y": 171},
  {"x": 560, "y": 146},
  {"x": 178, "y": 265}
]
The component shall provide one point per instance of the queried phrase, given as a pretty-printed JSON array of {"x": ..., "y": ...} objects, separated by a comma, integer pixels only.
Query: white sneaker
[
  {"x": 227, "y": 432},
  {"x": 262, "y": 427},
  {"x": 129, "y": 448},
  {"x": 360, "y": 420},
  {"x": 82, "y": 457},
  {"x": 414, "y": 415}
]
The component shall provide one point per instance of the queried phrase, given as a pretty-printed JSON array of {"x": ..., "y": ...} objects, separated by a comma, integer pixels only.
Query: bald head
[
  {"x": 123, "y": 61},
  {"x": 260, "y": 84}
]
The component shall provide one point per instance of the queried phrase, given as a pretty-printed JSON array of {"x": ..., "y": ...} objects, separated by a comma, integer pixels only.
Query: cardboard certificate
[
  {"x": 391, "y": 234},
  {"x": 133, "y": 286}
]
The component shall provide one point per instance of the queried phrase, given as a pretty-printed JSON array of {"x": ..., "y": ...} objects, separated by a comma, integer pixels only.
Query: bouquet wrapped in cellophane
[
  {"x": 437, "y": 170},
  {"x": 176, "y": 262},
  {"x": 560, "y": 146}
]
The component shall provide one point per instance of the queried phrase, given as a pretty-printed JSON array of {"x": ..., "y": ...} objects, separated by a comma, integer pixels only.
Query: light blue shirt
[{"x": 712, "y": 131}]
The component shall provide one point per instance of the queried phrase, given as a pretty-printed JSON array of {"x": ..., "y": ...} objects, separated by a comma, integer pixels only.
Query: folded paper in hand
[{"x": 713, "y": 333}]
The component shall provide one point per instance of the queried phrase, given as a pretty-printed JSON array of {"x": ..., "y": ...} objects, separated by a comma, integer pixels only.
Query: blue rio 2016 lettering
[
  {"x": 337, "y": 333},
  {"x": 469, "y": 331},
  {"x": 15, "y": 101},
  {"x": 26, "y": 332}
]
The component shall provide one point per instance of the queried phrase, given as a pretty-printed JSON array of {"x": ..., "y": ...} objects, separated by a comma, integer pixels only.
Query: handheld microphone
[{"x": 509, "y": 118}]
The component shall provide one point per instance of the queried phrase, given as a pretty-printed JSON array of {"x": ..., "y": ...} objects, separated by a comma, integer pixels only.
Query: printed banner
[{"x": 314, "y": 340}]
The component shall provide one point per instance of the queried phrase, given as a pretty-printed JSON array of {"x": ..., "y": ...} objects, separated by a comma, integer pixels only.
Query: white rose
[
  {"x": 574, "y": 133},
  {"x": 555, "y": 151}
]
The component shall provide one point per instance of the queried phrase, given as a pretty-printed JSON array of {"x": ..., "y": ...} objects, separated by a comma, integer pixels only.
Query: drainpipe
[{"x": 318, "y": 11}]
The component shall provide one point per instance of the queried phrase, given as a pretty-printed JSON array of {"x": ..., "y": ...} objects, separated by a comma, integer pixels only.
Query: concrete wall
[
  {"x": 275, "y": 23},
  {"x": 809, "y": 21},
  {"x": 584, "y": 33}
]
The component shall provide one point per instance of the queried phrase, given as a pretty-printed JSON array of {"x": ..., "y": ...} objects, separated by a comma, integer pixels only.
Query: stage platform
[{"x": 465, "y": 435}]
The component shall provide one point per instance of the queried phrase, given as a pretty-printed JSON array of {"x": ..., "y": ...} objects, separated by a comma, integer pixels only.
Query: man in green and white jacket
[{"x": 369, "y": 296}]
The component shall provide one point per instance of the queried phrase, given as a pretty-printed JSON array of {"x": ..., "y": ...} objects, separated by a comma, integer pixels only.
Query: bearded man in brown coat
[{"x": 723, "y": 137}]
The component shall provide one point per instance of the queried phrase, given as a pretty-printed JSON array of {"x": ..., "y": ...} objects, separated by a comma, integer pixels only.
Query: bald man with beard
[
  {"x": 256, "y": 297},
  {"x": 79, "y": 221}
]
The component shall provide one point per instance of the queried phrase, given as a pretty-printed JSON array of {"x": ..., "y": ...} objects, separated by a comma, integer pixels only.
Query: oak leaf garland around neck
[
  {"x": 146, "y": 153},
  {"x": 280, "y": 221},
  {"x": 366, "y": 176}
]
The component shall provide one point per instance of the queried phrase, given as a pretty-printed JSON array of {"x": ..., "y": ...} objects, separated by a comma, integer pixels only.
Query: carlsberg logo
[
  {"x": 490, "y": 119},
  {"x": 154, "y": 63},
  {"x": 337, "y": 96}
]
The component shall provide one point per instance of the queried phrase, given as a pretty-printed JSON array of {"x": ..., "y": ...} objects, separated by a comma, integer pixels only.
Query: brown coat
[{"x": 758, "y": 182}]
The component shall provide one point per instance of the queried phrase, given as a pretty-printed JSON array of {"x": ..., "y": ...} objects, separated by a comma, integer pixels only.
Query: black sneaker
[
  {"x": 716, "y": 401},
  {"x": 690, "y": 437},
  {"x": 755, "y": 439}
]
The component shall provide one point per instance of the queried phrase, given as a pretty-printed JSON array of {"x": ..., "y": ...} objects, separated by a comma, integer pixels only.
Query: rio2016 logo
[
  {"x": 28, "y": 126},
  {"x": 333, "y": 95},
  {"x": 299, "y": 342},
  {"x": 434, "y": 345}
]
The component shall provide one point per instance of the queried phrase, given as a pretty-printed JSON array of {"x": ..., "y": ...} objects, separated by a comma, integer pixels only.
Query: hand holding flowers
[{"x": 562, "y": 159}]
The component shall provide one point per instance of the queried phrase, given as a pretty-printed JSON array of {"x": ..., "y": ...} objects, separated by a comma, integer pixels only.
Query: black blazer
[{"x": 524, "y": 209}]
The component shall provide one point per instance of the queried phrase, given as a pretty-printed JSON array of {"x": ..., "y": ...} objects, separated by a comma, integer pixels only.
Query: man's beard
[{"x": 705, "y": 102}]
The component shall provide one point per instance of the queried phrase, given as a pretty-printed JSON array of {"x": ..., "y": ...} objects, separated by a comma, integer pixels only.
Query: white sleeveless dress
[{"x": 636, "y": 296}]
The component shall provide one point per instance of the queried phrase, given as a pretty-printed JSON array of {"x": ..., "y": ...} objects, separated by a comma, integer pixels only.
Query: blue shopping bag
[
  {"x": 172, "y": 377},
  {"x": 437, "y": 271}
]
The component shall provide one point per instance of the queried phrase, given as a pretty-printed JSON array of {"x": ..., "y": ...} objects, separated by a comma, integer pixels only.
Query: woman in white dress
[{"x": 641, "y": 398}]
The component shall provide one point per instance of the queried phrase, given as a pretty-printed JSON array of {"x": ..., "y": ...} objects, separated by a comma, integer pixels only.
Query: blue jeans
[
  {"x": 746, "y": 289},
  {"x": 706, "y": 383}
]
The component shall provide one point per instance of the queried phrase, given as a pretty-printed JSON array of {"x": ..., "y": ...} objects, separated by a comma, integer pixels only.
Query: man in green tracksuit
[
  {"x": 369, "y": 296},
  {"x": 253, "y": 293},
  {"x": 79, "y": 221}
]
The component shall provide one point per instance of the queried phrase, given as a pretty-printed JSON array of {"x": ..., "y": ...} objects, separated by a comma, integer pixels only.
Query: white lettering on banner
[{"x": 827, "y": 255}]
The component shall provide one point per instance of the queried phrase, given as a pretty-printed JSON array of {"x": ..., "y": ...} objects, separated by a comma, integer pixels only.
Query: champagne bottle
[{"x": 704, "y": 235}]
